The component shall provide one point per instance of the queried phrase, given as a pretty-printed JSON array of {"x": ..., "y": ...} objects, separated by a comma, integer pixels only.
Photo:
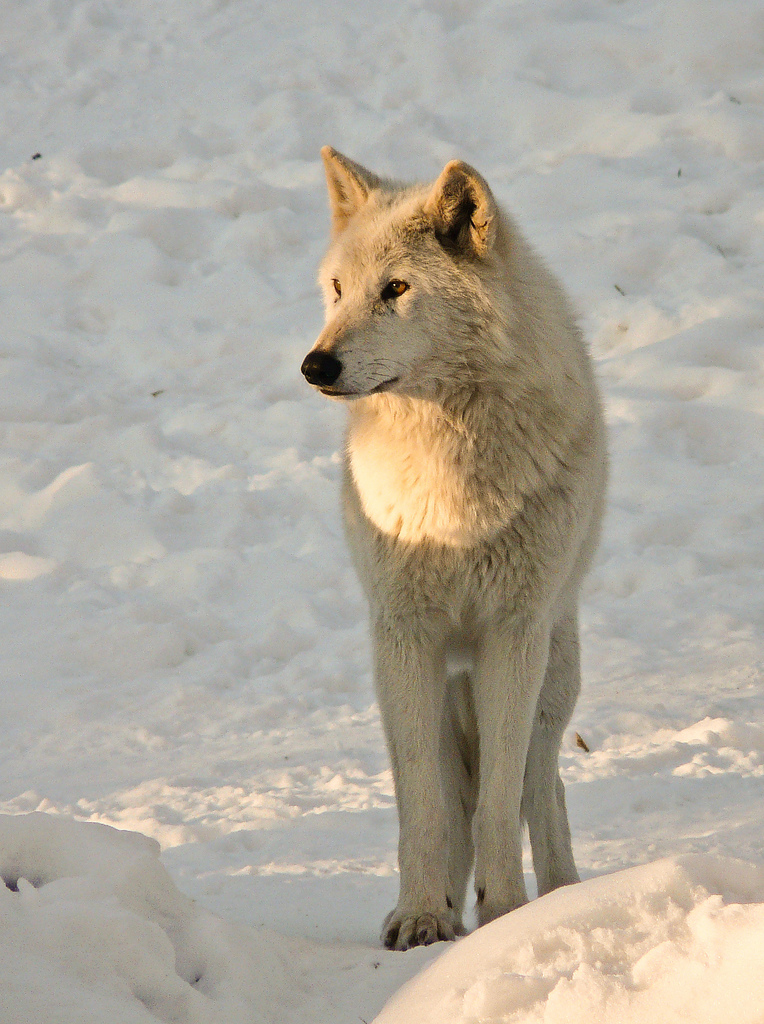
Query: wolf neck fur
[{"x": 427, "y": 472}]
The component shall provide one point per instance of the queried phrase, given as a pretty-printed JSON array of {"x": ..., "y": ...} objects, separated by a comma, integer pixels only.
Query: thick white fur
[{"x": 474, "y": 479}]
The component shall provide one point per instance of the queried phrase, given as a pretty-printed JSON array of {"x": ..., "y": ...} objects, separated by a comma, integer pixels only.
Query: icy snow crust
[{"x": 183, "y": 646}]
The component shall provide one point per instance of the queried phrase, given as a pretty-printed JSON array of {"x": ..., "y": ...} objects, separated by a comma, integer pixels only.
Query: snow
[
  {"x": 651, "y": 944},
  {"x": 183, "y": 644}
]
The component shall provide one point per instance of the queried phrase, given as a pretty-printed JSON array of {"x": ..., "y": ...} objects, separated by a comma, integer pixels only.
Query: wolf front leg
[
  {"x": 508, "y": 678},
  {"x": 411, "y": 681}
]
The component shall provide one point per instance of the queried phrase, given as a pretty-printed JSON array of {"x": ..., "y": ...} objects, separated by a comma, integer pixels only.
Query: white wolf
[{"x": 474, "y": 478}]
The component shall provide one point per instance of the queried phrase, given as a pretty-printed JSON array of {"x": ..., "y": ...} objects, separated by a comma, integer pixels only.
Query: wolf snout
[{"x": 321, "y": 369}]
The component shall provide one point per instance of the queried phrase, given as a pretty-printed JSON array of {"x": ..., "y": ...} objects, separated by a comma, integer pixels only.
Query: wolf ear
[
  {"x": 349, "y": 187},
  {"x": 462, "y": 210}
]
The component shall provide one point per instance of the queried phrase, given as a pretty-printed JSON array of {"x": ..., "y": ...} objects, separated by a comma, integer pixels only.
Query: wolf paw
[
  {"x": 402, "y": 930},
  {"x": 487, "y": 911}
]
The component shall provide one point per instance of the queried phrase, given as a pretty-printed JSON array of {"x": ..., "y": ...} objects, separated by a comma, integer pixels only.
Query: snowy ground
[{"x": 184, "y": 646}]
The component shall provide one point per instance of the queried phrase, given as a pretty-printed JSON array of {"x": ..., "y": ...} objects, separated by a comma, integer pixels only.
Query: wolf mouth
[{"x": 333, "y": 393}]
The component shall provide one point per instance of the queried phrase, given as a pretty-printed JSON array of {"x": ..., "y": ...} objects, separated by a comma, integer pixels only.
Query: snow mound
[
  {"x": 93, "y": 929},
  {"x": 680, "y": 939}
]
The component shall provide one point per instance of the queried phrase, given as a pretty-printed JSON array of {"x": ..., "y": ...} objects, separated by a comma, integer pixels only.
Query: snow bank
[
  {"x": 676, "y": 940},
  {"x": 92, "y": 929}
]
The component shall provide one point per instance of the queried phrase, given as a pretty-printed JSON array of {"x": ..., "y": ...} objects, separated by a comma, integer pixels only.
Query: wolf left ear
[
  {"x": 349, "y": 186},
  {"x": 462, "y": 209}
]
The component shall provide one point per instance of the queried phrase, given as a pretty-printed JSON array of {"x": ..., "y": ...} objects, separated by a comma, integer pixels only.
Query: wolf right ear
[
  {"x": 462, "y": 210},
  {"x": 349, "y": 187}
]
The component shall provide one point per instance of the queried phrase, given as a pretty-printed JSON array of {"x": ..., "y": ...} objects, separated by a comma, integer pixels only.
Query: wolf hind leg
[
  {"x": 543, "y": 802},
  {"x": 459, "y": 759}
]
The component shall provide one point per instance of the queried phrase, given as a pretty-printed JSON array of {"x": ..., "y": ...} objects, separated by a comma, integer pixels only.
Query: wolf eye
[
  {"x": 394, "y": 289},
  {"x": 337, "y": 287}
]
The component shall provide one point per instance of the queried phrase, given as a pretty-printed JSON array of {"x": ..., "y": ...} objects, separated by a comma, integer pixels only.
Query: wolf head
[{"x": 408, "y": 282}]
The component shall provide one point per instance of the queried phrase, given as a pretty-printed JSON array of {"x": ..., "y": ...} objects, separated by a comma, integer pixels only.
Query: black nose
[{"x": 321, "y": 369}]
